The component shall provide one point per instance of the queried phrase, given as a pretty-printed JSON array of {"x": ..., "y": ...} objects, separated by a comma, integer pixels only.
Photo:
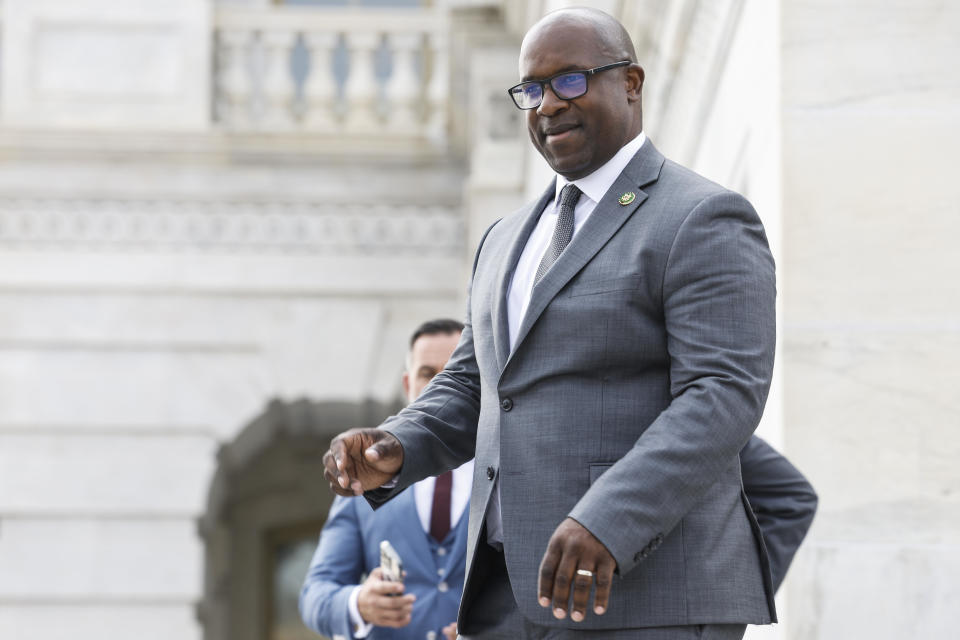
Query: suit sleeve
[
  {"x": 335, "y": 570},
  {"x": 782, "y": 499},
  {"x": 438, "y": 431},
  {"x": 718, "y": 296}
]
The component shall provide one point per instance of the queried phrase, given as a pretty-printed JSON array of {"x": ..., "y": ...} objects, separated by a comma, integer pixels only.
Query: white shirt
[
  {"x": 423, "y": 498},
  {"x": 594, "y": 187},
  {"x": 459, "y": 495}
]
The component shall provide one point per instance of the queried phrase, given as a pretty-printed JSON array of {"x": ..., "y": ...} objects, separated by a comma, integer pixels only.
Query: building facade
[{"x": 219, "y": 222}]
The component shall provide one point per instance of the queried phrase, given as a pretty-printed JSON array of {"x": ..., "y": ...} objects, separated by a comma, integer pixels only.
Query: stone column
[{"x": 361, "y": 89}]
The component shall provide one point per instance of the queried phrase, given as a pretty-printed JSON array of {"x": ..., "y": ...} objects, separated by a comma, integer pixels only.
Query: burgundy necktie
[{"x": 440, "y": 513}]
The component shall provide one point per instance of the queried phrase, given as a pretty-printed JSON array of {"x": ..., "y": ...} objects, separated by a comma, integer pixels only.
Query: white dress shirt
[
  {"x": 593, "y": 188},
  {"x": 423, "y": 498}
]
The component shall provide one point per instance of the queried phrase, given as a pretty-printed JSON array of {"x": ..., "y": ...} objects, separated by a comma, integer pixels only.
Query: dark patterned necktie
[
  {"x": 440, "y": 512},
  {"x": 563, "y": 231}
]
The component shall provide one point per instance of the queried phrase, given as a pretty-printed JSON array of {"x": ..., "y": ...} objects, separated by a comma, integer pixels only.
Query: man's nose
[{"x": 551, "y": 104}]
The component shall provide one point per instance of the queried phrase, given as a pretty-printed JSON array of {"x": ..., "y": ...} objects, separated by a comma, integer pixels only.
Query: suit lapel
[
  {"x": 526, "y": 220},
  {"x": 602, "y": 224}
]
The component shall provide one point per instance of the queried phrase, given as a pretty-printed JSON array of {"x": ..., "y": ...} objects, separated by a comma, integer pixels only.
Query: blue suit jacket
[{"x": 350, "y": 548}]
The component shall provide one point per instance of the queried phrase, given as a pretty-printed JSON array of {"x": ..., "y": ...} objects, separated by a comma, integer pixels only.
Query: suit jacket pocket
[
  {"x": 597, "y": 469},
  {"x": 594, "y": 287}
]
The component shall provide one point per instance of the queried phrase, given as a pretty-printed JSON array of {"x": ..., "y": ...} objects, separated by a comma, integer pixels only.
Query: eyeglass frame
[{"x": 549, "y": 81}]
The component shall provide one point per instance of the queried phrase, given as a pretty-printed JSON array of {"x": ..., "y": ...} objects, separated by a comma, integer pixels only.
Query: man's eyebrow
[
  {"x": 426, "y": 369},
  {"x": 571, "y": 67}
]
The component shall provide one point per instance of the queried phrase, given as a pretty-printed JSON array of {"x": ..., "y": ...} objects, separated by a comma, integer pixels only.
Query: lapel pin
[{"x": 627, "y": 198}]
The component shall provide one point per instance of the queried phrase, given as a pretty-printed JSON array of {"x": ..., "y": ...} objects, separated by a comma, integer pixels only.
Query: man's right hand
[
  {"x": 360, "y": 460},
  {"x": 380, "y": 604}
]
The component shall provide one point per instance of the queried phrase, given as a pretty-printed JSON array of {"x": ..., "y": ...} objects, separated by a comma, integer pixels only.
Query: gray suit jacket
[
  {"x": 783, "y": 502},
  {"x": 640, "y": 370}
]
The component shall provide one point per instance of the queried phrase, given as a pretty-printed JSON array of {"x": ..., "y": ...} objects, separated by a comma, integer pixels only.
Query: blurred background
[{"x": 221, "y": 220}]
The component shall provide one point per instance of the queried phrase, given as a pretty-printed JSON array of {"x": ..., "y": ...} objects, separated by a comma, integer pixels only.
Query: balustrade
[{"x": 327, "y": 71}]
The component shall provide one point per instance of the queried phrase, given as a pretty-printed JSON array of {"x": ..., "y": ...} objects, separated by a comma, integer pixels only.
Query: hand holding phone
[{"x": 381, "y": 601}]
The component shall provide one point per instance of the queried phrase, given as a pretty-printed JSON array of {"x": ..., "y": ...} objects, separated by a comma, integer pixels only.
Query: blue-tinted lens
[
  {"x": 528, "y": 95},
  {"x": 569, "y": 85}
]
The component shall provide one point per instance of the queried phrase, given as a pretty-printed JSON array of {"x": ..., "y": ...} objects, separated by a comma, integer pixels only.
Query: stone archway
[{"x": 267, "y": 503}]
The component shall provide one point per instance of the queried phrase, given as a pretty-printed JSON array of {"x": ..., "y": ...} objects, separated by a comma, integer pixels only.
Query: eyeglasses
[{"x": 567, "y": 86}]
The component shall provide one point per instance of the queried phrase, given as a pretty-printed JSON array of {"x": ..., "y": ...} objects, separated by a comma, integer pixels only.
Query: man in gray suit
[{"x": 616, "y": 357}]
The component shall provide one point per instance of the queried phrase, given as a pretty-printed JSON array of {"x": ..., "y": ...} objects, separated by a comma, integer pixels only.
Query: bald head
[
  {"x": 609, "y": 36},
  {"x": 576, "y": 136}
]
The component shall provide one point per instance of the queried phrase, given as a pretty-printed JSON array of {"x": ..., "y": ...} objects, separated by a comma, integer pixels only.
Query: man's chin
[{"x": 570, "y": 168}]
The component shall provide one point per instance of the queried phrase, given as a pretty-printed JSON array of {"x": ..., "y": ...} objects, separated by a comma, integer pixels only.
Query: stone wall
[
  {"x": 141, "y": 332},
  {"x": 871, "y": 123},
  {"x": 162, "y": 280}
]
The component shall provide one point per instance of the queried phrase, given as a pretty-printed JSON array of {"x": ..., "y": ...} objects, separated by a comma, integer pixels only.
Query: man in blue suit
[
  {"x": 782, "y": 499},
  {"x": 333, "y": 601}
]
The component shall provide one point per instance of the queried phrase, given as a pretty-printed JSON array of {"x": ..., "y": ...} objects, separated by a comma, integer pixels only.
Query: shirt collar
[{"x": 595, "y": 185}]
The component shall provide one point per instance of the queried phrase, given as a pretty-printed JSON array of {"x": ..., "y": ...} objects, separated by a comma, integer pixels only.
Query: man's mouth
[{"x": 559, "y": 132}]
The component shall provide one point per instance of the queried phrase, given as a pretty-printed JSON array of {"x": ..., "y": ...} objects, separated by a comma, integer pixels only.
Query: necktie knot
[{"x": 569, "y": 195}]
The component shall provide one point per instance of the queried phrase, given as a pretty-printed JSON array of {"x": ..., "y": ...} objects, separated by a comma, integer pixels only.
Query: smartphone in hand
[{"x": 391, "y": 567}]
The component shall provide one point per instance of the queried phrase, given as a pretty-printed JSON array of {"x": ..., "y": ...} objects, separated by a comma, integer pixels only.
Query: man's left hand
[{"x": 571, "y": 549}]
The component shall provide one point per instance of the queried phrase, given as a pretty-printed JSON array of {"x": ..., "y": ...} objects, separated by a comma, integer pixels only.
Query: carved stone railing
[
  {"x": 351, "y": 72},
  {"x": 211, "y": 226}
]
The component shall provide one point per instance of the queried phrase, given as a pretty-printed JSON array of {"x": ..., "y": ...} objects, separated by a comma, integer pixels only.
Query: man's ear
[
  {"x": 406, "y": 384},
  {"x": 635, "y": 78}
]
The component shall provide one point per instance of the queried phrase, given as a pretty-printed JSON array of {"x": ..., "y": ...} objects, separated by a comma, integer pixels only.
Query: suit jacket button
[
  {"x": 506, "y": 404},
  {"x": 490, "y": 473}
]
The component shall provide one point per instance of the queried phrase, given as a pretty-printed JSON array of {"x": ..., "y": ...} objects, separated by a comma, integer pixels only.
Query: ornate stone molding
[{"x": 231, "y": 227}]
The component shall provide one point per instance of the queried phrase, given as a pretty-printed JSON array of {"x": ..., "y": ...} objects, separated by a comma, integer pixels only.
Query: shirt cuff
[
  {"x": 361, "y": 628},
  {"x": 391, "y": 483}
]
